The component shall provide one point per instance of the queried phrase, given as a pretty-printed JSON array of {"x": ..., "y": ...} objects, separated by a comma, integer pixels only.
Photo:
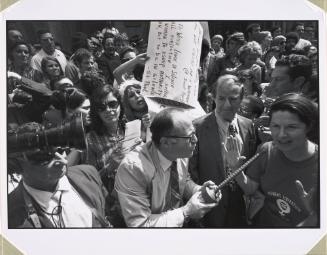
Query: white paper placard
[{"x": 171, "y": 72}]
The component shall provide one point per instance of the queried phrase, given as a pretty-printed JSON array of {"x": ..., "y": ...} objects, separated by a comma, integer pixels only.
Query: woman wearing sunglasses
[{"x": 104, "y": 139}]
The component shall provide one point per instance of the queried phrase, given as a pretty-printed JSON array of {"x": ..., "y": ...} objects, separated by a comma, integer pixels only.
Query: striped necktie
[
  {"x": 175, "y": 196},
  {"x": 233, "y": 132}
]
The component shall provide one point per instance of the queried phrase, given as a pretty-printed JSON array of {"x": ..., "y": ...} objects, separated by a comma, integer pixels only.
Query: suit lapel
[
  {"x": 242, "y": 128},
  {"x": 244, "y": 133},
  {"x": 213, "y": 138}
]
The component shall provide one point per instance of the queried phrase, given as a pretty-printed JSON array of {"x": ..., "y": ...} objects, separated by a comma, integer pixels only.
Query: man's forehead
[
  {"x": 229, "y": 87},
  {"x": 109, "y": 40},
  {"x": 182, "y": 126}
]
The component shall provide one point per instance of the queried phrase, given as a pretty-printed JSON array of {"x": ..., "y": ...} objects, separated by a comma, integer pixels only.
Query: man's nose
[
  {"x": 227, "y": 103},
  {"x": 282, "y": 132}
]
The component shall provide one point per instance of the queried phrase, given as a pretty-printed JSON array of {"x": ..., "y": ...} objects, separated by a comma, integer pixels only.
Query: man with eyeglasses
[
  {"x": 50, "y": 194},
  {"x": 48, "y": 49},
  {"x": 217, "y": 131},
  {"x": 152, "y": 181}
]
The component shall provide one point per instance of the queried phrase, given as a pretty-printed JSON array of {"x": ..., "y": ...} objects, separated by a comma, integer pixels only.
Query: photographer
[{"x": 50, "y": 195}]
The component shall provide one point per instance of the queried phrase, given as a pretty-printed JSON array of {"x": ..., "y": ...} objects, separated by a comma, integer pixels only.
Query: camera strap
[{"x": 31, "y": 210}]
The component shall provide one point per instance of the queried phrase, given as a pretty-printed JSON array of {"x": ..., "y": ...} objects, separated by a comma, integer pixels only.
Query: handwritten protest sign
[{"x": 171, "y": 72}]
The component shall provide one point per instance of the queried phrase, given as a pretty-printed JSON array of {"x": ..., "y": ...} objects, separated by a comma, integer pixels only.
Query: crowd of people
[{"x": 258, "y": 88}]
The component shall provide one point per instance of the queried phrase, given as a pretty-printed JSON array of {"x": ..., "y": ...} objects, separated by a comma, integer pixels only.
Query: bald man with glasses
[{"x": 153, "y": 181}]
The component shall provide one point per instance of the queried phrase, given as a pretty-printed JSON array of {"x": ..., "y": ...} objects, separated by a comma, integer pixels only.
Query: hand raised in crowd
[
  {"x": 233, "y": 151},
  {"x": 146, "y": 120},
  {"x": 307, "y": 200},
  {"x": 196, "y": 208}
]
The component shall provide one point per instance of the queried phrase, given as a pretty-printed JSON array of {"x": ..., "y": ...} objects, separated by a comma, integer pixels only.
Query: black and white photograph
[
  {"x": 210, "y": 124},
  {"x": 135, "y": 129}
]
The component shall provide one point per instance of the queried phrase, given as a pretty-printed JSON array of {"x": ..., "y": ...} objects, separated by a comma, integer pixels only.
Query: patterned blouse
[{"x": 103, "y": 152}]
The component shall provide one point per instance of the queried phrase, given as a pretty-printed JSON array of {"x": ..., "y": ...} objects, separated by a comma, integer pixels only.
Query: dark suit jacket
[
  {"x": 207, "y": 164},
  {"x": 86, "y": 181}
]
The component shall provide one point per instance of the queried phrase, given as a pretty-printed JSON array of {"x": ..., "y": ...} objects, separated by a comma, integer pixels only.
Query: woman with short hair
[{"x": 286, "y": 171}]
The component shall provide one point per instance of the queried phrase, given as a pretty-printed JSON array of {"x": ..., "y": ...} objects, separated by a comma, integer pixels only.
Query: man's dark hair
[
  {"x": 293, "y": 36},
  {"x": 297, "y": 24},
  {"x": 299, "y": 65},
  {"x": 42, "y": 32},
  {"x": 274, "y": 28},
  {"x": 81, "y": 54},
  {"x": 162, "y": 124},
  {"x": 249, "y": 29},
  {"x": 90, "y": 81}
]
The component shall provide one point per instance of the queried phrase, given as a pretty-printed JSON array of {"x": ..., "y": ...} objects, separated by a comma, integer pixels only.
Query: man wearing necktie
[
  {"x": 50, "y": 194},
  {"x": 215, "y": 132},
  {"x": 152, "y": 181}
]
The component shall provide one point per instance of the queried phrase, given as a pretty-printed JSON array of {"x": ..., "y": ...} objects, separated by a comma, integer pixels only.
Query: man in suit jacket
[
  {"x": 209, "y": 161},
  {"x": 50, "y": 195}
]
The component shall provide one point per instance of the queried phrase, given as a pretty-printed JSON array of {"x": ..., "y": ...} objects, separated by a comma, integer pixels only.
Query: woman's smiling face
[{"x": 288, "y": 131}]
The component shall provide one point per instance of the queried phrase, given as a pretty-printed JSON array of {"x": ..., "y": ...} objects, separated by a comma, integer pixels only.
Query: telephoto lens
[{"x": 68, "y": 134}]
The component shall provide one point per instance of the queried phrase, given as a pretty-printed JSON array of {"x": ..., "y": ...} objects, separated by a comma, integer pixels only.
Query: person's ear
[
  {"x": 298, "y": 83},
  {"x": 164, "y": 142}
]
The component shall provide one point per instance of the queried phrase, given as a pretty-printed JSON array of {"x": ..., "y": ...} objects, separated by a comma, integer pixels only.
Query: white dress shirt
[
  {"x": 223, "y": 133},
  {"x": 75, "y": 213},
  {"x": 37, "y": 59}
]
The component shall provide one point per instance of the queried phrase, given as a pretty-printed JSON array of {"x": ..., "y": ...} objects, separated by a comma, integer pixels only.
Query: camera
[{"x": 68, "y": 134}]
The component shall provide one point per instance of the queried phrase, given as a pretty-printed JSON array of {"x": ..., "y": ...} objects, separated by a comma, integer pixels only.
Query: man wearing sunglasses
[
  {"x": 216, "y": 131},
  {"x": 51, "y": 195},
  {"x": 153, "y": 181}
]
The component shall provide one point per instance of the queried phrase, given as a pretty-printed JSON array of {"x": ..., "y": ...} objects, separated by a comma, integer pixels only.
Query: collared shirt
[
  {"x": 142, "y": 182},
  {"x": 75, "y": 213},
  {"x": 223, "y": 132},
  {"x": 37, "y": 59}
]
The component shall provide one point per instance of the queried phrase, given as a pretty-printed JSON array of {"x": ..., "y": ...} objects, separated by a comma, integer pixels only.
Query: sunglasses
[
  {"x": 133, "y": 92},
  {"x": 113, "y": 105}
]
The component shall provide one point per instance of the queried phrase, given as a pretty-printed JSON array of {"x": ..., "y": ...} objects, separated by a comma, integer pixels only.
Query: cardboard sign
[{"x": 171, "y": 72}]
